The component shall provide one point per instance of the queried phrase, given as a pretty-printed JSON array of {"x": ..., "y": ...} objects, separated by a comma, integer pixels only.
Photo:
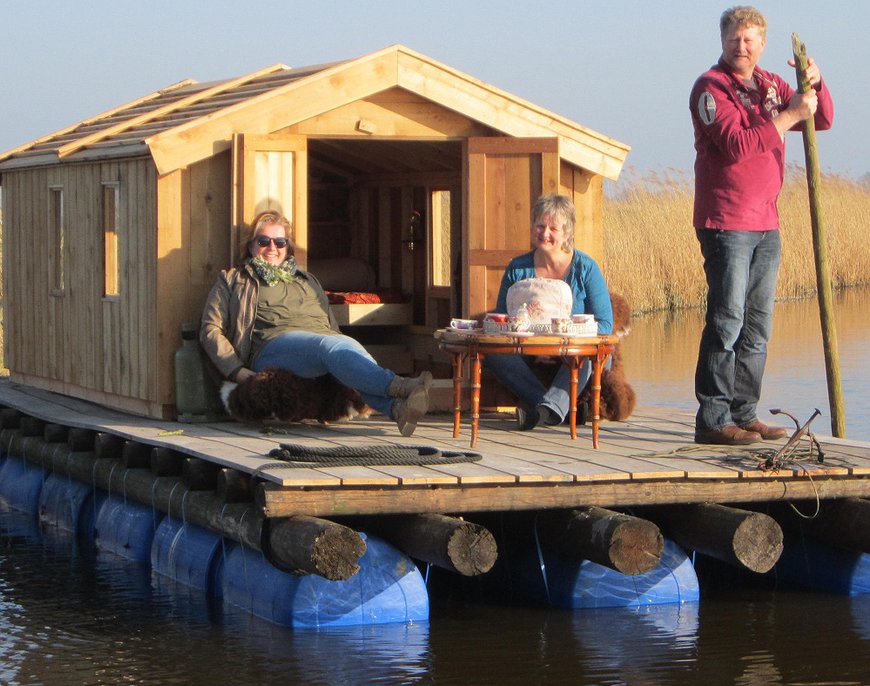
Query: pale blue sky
[{"x": 623, "y": 67}]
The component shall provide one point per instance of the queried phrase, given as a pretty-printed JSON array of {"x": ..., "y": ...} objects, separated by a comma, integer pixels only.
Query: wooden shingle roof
[{"x": 191, "y": 121}]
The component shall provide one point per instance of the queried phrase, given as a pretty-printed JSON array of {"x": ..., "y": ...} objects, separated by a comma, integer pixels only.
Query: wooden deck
[{"x": 647, "y": 460}]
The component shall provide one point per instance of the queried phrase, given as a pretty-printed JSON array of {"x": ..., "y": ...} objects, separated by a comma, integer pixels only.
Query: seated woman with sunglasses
[{"x": 268, "y": 313}]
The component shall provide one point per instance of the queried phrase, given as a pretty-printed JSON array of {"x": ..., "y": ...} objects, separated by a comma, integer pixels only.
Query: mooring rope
[{"x": 293, "y": 455}]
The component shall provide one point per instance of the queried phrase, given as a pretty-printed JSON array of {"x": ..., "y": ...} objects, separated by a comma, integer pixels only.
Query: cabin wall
[
  {"x": 587, "y": 191},
  {"x": 194, "y": 236},
  {"x": 71, "y": 337}
]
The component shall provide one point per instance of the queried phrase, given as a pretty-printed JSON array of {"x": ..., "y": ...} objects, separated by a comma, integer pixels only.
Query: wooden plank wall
[
  {"x": 78, "y": 341},
  {"x": 586, "y": 189},
  {"x": 114, "y": 350}
]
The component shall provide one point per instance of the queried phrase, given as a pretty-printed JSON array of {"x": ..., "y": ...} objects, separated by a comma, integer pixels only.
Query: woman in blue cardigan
[{"x": 553, "y": 257}]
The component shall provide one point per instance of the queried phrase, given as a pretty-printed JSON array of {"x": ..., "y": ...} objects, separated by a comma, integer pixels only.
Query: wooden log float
[
  {"x": 234, "y": 486},
  {"x": 752, "y": 540},
  {"x": 624, "y": 543},
  {"x": 448, "y": 542},
  {"x": 286, "y": 544}
]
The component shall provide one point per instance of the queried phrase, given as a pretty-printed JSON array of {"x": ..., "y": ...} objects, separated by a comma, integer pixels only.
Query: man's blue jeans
[
  {"x": 741, "y": 268},
  {"x": 314, "y": 354}
]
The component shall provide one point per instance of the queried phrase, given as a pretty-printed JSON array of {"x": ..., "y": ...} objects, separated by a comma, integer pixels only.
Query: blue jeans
[
  {"x": 515, "y": 374},
  {"x": 314, "y": 354},
  {"x": 741, "y": 268}
]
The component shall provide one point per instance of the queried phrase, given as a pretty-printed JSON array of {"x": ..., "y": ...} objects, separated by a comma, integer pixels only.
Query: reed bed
[{"x": 651, "y": 254}]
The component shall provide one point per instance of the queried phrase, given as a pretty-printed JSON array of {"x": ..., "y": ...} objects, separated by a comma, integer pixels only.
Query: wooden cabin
[{"x": 400, "y": 174}]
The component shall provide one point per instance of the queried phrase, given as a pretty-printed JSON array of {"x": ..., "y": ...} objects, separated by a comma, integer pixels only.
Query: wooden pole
[
  {"x": 739, "y": 537},
  {"x": 823, "y": 274},
  {"x": 448, "y": 542},
  {"x": 627, "y": 544},
  {"x": 841, "y": 522}
]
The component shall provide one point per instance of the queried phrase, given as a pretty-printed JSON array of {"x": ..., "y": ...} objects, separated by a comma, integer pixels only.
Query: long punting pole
[{"x": 823, "y": 274}]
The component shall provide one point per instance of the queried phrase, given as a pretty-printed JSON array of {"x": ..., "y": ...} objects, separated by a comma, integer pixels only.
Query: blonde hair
[
  {"x": 266, "y": 218},
  {"x": 562, "y": 207},
  {"x": 741, "y": 16}
]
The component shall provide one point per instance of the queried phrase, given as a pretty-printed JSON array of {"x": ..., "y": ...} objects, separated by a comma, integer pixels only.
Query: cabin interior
[{"x": 385, "y": 217}]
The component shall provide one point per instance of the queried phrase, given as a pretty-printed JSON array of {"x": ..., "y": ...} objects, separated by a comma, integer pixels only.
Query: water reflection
[{"x": 661, "y": 351}]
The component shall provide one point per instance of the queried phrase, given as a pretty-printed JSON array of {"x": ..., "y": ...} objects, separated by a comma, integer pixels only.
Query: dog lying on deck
[
  {"x": 618, "y": 398},
  {"x": 279, "y": 394}
]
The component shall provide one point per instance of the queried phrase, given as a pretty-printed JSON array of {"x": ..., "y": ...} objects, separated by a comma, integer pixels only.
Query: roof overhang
[{"x": 396, "y": 66}]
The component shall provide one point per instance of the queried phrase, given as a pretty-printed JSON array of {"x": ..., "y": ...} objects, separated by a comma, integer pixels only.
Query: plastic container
[
  {"x": 562, "y": 583},
  {"x": 821, "y": 567},
  {"x": 62, "y": 501},
  {"x": 197, "y": 398},
  {"x": 126, "y": 528},
  {"x": 186, "y": 553},
  {"x": 387, "y": 589},
  {"x": 20, "y": 484}
]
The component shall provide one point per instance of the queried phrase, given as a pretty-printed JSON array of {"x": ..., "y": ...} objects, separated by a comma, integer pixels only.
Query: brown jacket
[{"x": 229, "y": 313}]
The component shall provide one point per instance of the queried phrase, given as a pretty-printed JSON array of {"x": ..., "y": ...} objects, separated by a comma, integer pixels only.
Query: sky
[{"x": 621, "y": 67}]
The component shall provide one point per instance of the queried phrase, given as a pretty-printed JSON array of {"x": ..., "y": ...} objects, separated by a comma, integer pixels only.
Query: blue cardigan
[{"x": 584, "y": 277}]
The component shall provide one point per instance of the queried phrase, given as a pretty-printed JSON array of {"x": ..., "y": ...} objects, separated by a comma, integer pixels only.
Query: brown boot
[
  {"x": 727, "y": 435},
  {"x": 768, "y": 433},
  {"x": 403, "y": 387}
]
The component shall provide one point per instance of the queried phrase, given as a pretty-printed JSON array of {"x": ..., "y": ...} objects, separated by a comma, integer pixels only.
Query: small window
[
  {"x": 110, "y": 239},
  {"x": 441, "y": 232},
  {"x": 56, "y": 247}
]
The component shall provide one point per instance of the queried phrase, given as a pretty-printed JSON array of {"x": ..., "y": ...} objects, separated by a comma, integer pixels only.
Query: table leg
[
  {"x": 457, "y": 359},
  {"x": 597, "y": 367},
  {"x": 475, "y": 396},
  {"x": 572, "y": 394}
]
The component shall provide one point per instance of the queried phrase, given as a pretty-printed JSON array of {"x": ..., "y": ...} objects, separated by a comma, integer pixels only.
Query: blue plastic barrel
[
  {"x": 187, "y": 553},
  {"x": 821, "y": 567},
  {"x": 554, "y": 580},
  {"x": 126, "y": 528},
  {"x": 61, "y": 502},
  {"x": 387, "y": 589},
  {"x": 20, "y": 484}
]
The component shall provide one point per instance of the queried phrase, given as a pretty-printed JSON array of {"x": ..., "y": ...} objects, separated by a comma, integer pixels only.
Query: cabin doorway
[{"x": 397, "y": 207}]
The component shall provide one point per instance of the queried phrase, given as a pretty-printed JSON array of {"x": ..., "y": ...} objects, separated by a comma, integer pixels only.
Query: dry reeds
[{"x": 652, "y": 255}]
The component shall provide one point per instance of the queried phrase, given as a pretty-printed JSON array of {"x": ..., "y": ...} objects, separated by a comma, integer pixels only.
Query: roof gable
[{"x": 189, "y": 122}]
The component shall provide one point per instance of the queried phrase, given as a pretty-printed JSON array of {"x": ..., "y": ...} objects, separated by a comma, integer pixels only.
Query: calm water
[
  {"x": 68, "y": 616},
  {"x": 661, "y": 351}
]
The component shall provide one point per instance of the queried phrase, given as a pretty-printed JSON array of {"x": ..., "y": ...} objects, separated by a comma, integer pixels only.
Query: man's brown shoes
[
  {"x": 727, "y": 435},
  {"x": 768, "y": 433}
]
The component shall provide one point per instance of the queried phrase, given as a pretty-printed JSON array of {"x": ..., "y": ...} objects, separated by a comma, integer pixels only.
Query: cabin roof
[{"x": 190, "y": 121}]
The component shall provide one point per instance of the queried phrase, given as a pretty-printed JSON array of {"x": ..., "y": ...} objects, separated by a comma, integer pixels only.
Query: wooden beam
[
  {"x": 158, "y": 112},
  {"x": 448, "y": 542},
  {"x": 277, "y": 501},
  {"x": 624, "y": 543},
  {"x": 272, "y": 111},
  {"x": 752, "y": 540}
]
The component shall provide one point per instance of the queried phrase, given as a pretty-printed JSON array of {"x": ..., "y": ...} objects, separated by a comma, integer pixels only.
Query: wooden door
[
  {"x": 271, "y": 172},
  {"x": 505, "y": 178}
]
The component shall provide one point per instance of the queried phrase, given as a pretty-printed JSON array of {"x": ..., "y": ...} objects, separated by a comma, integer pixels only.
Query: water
[
  {"x": 661, "y": 351},
  {"x": 72, "y": 616}
]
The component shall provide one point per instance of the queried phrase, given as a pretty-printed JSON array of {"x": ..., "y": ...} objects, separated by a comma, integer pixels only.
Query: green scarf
[{"x": 271, "y": 274}]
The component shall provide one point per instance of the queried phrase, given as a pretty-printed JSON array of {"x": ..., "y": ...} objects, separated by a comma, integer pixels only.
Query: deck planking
[{"x": 650, "y": 458}]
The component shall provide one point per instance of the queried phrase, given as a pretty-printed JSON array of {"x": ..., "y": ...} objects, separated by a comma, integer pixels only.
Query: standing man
[{"x": 740, "y": 115}]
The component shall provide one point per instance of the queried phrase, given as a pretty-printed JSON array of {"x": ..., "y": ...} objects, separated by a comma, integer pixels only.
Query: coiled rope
[{"x": 293, "y": 455}]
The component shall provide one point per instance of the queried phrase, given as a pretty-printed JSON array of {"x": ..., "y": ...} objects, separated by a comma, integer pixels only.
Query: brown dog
[
  {"x": 618, "y": 398},
  {"x": 279, "y": 394}
]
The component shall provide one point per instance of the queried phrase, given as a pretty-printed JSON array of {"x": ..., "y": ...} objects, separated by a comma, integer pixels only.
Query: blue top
[{"x": 584, "y": 277}]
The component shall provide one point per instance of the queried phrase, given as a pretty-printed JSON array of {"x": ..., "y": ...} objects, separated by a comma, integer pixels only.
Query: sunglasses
[{"x": 263, "y": 242}]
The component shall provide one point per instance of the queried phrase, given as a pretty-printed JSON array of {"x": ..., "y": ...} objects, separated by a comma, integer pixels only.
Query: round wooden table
[{"x": 572, "y": 350}]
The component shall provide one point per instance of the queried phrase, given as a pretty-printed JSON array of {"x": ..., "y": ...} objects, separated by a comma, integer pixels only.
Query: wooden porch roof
[{"x": 189, "y": 121}]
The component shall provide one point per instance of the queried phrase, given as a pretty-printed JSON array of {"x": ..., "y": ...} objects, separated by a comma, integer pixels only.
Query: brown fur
[
  {"x": 279, "y": 394},
  {"x": 618, "y": 398}
]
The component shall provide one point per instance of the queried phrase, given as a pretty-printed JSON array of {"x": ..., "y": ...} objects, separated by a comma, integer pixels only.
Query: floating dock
[{"x": 603, "y": 506}]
